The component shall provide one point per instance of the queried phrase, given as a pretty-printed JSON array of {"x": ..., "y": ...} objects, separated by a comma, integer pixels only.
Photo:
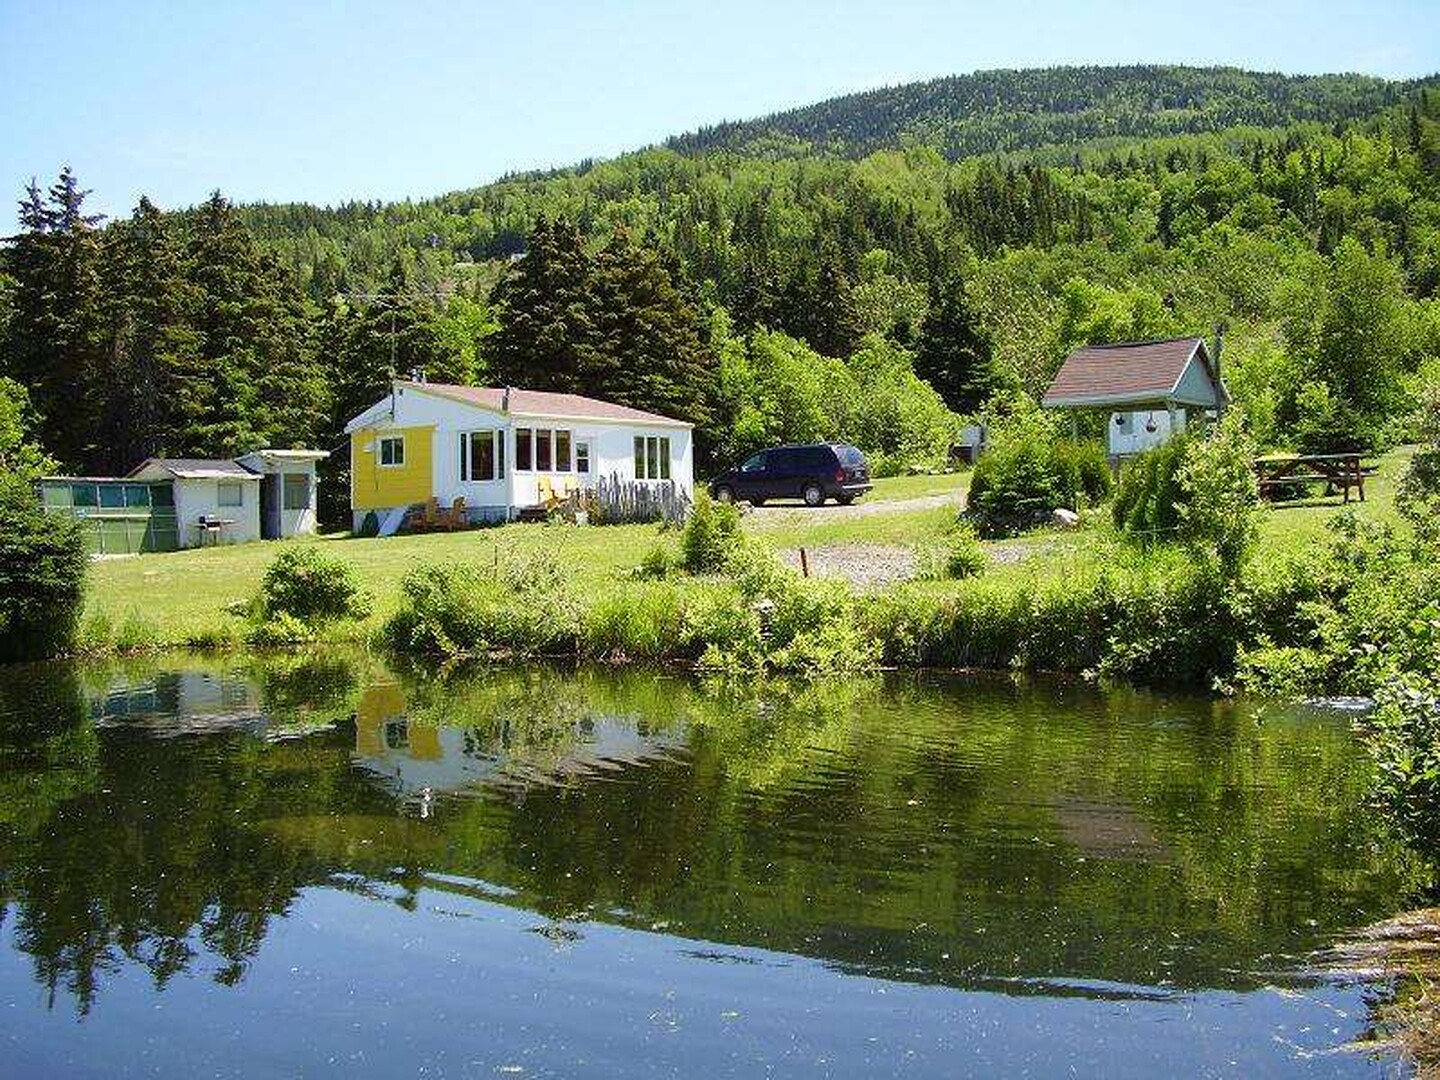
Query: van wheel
[
  {"x": 724, "y": 494},
  {"x": 813, "y": 494}
]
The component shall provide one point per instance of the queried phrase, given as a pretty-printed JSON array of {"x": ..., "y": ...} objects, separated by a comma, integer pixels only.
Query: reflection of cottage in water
[
  {"x": 412, "y": 756},
  {"x": 180, "y": 703}
]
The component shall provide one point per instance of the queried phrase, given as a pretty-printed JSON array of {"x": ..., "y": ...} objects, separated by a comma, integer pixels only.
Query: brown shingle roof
[
  {"x": 542, "y": 403},
  {"x": 1141, "y": 371}
]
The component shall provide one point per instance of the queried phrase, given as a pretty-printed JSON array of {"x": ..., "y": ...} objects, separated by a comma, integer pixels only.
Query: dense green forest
[{"x": 866, "y": 268}]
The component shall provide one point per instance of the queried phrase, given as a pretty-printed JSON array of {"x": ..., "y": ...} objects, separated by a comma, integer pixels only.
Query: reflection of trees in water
[
  {"x": 153, "y": 852},
  {"x": 893, "y": 825}
]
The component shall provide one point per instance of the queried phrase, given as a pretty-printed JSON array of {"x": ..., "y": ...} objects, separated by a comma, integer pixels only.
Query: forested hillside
[
  {"x": 994, "y": 111},
  {"x": 866, "y": 268}
]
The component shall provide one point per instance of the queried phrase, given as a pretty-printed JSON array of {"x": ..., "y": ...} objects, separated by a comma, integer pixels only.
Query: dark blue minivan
[{"x": 812, "y": 473}]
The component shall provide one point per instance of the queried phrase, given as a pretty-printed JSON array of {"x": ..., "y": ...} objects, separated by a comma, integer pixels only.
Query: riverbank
[{"x": 1047, "y": 601}]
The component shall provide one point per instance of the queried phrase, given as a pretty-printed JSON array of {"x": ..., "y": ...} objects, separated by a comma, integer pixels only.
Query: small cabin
[
  {"x": 164, "y": 504},
  {"x": 1151, "y": 390}
]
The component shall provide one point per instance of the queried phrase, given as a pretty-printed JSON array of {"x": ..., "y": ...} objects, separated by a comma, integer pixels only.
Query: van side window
[{"x": 755, "y": 464}]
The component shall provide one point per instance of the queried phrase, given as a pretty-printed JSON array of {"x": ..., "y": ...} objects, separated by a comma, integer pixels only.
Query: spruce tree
[
  {"x": 545, "y": 312},
  {"x": 952, "y": 353}
]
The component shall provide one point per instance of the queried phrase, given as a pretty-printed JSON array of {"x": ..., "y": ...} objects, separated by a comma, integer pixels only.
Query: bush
[
  {"x": 457, "y": 610},
  {"x": 1030, "y": 471},
  {"x": 711, "y": 535},
  {"x": 1200, "y": 491},
  {"x": 308, "y": 585},
  {"x": 1147, "y": 502},
  {"x": 961, "y": 557},
  {"x": 1403, "y": 736},
  {"x": 43, "y": 563}
]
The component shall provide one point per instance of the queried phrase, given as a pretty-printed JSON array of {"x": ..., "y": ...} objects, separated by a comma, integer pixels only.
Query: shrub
[
  {"x": 310, "y": 586},
  {"x": 1147, "y": 502},
  {"x": 710, "y": 536},
  {"x": 1418, "y": 496},
  {"x": 1403, "y": 736},
  {"x": 457, "y": 610},
  {"x": 961, "y": 557},
  {"x": 1029, "y": 471},
  {"x": 43, "y": 563},
  {"x": 1197, "y": 490},
  {"x": 657, "y": 563}
]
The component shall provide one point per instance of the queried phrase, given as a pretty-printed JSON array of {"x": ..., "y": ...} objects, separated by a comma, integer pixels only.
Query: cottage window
[
  {"x": 523, "y": 443},
  {"x": 562, "y": 451},
  {"x": 652, "y": 457},
  {"x": 295, "y": 493},
  {"x": 112, "y": 497},
  {"x": 392, "y": 450},
  {"x": 542, "y": 449},
  {"x": 582, "y": 457},
  {"x": 482, "y": 455},
  {"x": 230, "y": 493},
  {"x": 84, "y": 495}
]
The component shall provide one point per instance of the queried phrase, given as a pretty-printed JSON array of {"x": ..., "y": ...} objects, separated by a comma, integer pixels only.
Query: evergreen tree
[
  {"x": 646, "y": 350},
  {"x": 52, "y": 340},
  {"x": 953, "y": 354},
  {"x": 545, "y": 312}
]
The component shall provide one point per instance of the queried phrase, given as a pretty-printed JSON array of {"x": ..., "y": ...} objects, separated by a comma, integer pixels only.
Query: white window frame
[
  {"x": 467, "y": 452},
  {"x": 221, "y": 486},
  {"x": 380, "y": 445},
  {"x": 652, "y": 457},
  {"x": 290, "y": 481}
]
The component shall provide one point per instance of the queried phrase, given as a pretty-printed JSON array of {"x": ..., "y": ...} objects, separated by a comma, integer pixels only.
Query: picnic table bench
[{"x": 1338, "y": 472}]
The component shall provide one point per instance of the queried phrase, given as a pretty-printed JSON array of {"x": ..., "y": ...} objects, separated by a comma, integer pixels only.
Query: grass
[
  {"x": 181, "y": 597},
  {"x": 891, "y": 488}
]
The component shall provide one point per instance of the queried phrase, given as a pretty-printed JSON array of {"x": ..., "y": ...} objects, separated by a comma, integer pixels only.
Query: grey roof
[{"x": 197, "y": 468}]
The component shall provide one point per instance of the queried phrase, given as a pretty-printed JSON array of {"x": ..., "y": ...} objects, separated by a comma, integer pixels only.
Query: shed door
[{"x": 270, "y": 507}]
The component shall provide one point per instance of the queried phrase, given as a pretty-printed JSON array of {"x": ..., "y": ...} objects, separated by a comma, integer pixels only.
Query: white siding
[
  {"x": 1130, "y": 436},
  {"x": 196, "y": 497},
  {"x": 612, "y": 445}
]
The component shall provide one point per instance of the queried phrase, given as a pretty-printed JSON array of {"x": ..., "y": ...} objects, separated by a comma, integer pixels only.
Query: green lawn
[
  {"x": 891, "y": 488},
  {"x": 184, "y": 595}
]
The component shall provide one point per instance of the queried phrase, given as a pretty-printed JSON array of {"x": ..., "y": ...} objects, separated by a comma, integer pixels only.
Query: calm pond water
[{"x": 241, "y": 867}]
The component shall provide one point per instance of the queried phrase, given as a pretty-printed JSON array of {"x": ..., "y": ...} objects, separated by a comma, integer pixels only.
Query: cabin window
[
  {"x": 137, "y": 494},
  {"x": 523, "y": 442},
  {"x": 582, "y": 457},
  {"x": 230, "y": 493},
  {"x": 112, "y": 497},
  {"x": 295, "y": 493},
  {"x": 482, "y": 455},
  {"x": 83, "y": 495},
  {"x": 652, "y": 457},
  {"x": 162, "y": 495},
  {"x": 542, "y": 450},
  {"x": 392, "y": 450},
  {"x": 562, "y": 451}
]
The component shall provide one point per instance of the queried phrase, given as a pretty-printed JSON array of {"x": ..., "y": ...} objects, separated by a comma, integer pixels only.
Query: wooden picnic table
[{"x": 1276, "y": 472}]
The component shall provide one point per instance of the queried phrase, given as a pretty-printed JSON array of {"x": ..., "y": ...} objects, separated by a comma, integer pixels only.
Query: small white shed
[
  {"x": 266, "y": 494},
  {"x": 1149, "y": 388},
  {"x": 287, "y": 489}
]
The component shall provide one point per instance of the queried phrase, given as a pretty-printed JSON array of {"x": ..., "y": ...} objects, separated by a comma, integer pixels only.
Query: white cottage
[
  {"x": 503, "y": 450},
  {"x": 1151, "y": 389}
]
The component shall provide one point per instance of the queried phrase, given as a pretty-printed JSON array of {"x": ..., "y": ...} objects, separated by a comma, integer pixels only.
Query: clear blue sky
[{"x": 324, "y": 102}]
